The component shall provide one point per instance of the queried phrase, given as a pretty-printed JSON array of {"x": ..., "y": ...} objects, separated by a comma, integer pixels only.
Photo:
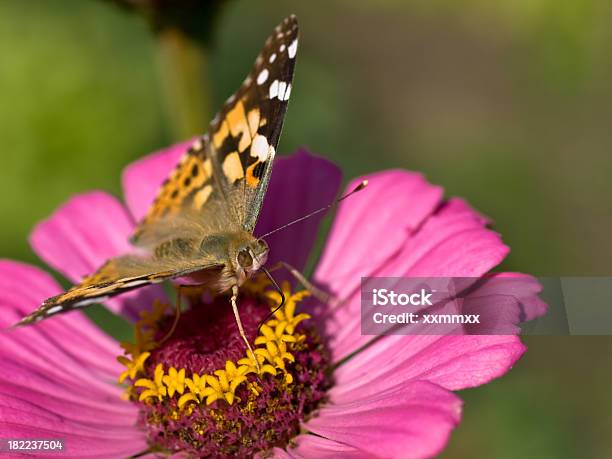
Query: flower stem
[{"x": 186, "y": 82}]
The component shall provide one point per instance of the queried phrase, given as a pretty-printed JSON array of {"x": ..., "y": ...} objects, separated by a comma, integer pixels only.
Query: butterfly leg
[
  {"x": 319, "y": 294},
  {"x": 239, "y": 323},
  {"x": 177, "y": 314}
]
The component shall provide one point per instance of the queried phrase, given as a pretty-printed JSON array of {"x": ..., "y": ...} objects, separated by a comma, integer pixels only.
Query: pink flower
[{"x": 393, "y": 398}]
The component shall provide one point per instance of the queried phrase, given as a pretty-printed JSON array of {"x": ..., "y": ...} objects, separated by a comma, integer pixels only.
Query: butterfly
[{"x": 200, "y": 226}]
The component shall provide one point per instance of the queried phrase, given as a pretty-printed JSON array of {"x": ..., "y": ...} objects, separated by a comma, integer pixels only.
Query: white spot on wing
[
  {"x": 274, "y": 89},
  {"x": 260, "y": 147},
  {"x": 282, "y": 48},
  {"x": 89, "y": 301},
  {"x": 272, "y": 58},
  {"x": 53, "y": 310},
  {"x": 262, "y": 77},
  {"x": 135, "y": 283},
  {"x": 292, "y": 49},
  {"x": 282, "y": 86},
  {"x": 287, "y": 92}
]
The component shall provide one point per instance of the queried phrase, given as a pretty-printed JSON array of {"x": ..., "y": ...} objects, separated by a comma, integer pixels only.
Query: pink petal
[
  {"x": 163, "y": 456},
  {"x": 309, "y": 446},
  {"x": 37, "y": 412},
  {"x": 57, "y": 377},
  {"x": 277, "y": 453},
  {"x": 451, "y": 242},
  {"x": 453, "y": 362},
  {"x": 526, "y": 289},
  {"x": 372, "y": 226},
  {"x": 300, "y": 183},
  {"x": 142, "y": 179},
  {"x": 22, "y": 288},
  {"x": 411, "y": 420},
  {"x": 516, "y": 301},
  {"x": 81, "y": 235},
  {"x": 77, "y": 445},
  {"x": 83, "y": 358}
]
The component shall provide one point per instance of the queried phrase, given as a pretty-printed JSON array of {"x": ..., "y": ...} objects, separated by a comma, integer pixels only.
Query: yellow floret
[
  {"x": 154, "y": 388},
  {"x": 276, "y": 340},
  {"x": 224, "y": 385},
  {"x": 152, "y": 318},
  {"x": 133, "y": 366},
  {"x": 175, "y": 381}
]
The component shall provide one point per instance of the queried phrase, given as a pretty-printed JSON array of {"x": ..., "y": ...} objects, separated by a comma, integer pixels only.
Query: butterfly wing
[
  {"x": 189, "y": 202},
  {"x": 117, "y": 276},
  {"x": 244, "y": 136},
  {"x": 220, "y": 182}
]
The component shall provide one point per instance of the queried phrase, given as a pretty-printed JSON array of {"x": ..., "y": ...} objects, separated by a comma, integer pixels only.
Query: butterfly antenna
[
  {"x": 359, "y": 187},
  {"x": 280, "y": 292}
]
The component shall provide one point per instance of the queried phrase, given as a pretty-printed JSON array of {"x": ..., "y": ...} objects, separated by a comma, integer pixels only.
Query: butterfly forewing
[
  {"x": 217, "y": 187},
  {"x": 221, "y": 180},
  {"x": 244, "y": 136}
]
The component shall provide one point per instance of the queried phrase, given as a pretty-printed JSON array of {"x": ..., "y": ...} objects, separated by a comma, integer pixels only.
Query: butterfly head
[{"x": 250, "y": 256}]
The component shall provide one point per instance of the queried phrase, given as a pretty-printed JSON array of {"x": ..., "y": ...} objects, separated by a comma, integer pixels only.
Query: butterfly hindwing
[
  {"x": 116, "y": 276},
  {"x": 189, "y": 193}
]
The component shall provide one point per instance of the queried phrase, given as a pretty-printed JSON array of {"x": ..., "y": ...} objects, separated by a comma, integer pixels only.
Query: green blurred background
[{"x": 507, "y": 104}]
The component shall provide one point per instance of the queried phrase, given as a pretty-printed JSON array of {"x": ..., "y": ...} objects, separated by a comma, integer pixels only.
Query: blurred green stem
[{"x": 186, "y": 82}]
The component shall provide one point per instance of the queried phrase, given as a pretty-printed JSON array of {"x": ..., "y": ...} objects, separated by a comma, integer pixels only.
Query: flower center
[{"x": 201, "y": 392}]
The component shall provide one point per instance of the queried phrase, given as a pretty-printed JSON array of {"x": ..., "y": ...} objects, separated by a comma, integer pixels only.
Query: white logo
[{"x": 383, "y": 297}]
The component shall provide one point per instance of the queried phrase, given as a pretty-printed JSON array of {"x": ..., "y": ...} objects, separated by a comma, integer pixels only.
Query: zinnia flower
[{"x": 319, "y": 388}]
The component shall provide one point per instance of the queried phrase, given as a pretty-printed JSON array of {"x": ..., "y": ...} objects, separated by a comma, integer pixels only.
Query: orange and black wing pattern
[
  {"x": 116, "y": 276},
  {"x": 222, "y": 179},
  {"x": 244, "y": 136}
]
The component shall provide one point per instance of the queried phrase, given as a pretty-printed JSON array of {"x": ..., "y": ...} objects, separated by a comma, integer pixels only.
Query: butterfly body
[
  {"x": 200, "y": 226},
  {"x": 239, "y": 255}
]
